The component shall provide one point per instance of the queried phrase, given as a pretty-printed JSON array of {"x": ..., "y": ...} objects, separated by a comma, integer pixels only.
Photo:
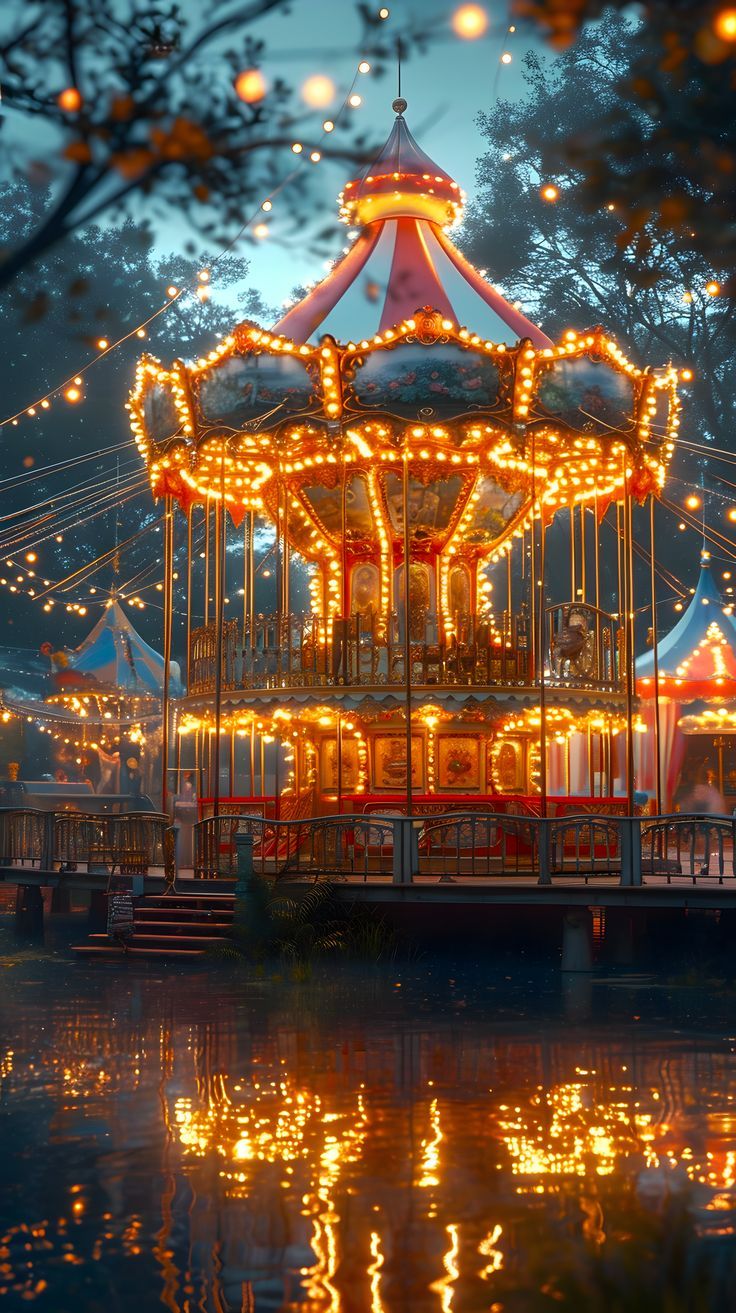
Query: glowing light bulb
[
  {"x": 261, "y": 230},
  {"x": 364, "y": 66},
  {"x": 384, "y": 13},
  {"x": 470, "y": 22},
  {"x": 724, "y": 24},
  {"x": 328, "y": 126},
  {"x": 297, "y": 148},
  {"x": 549, "y": 192},
  {"x": 171, "y": 290},
  {"x": 102, "y": 344},
  {"x": 69, "y": 100},
  {"x": 315, "y": 157},
  {"x": 72, "y": 394},
  {"x": 506, "y": 57},
  {"x": 250, "y": 85},
  {"x": 692, "y": 502},
  {"x": 355, "y": 100},
  {"x": 713, "y": 288},
  {"x": 318, "y": 91}
]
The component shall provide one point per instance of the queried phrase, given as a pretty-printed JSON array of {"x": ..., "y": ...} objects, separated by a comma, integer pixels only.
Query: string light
[
  {"x": 724, "y": 24},
  {"x": 506, "y": 57},
  {"x": 69, "y": 100},
  {"x": 318, "y": 91},
  {"x": 549, "y": 192}
]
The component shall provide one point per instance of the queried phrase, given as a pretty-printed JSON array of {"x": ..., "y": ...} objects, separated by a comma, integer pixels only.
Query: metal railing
[
  {"x": 617, "y": 850},
  {"x": 397, "y": 849},
  {"x": 130, "y": 843},
  {"x": 308, "y": 651}
]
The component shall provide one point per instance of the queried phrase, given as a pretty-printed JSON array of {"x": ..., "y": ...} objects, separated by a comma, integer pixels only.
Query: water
[{"x": 385, "y": 1139}]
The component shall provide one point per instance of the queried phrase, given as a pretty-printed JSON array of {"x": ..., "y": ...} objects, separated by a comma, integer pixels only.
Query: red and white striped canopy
[{"x": 403, "y": 259}]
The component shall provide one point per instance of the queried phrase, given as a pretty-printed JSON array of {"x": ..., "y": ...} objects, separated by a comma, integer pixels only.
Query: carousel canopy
[
  {"x": 698, "y": 657},
  {"x": 114, "y": 654},
  {"x": 402, "y": 257}
]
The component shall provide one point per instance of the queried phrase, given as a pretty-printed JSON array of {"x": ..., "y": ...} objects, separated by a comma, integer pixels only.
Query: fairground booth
[
  {"x": 101, "y": 707},
  {"x": 410, "y": 437},
  {"x": 687, "y": 700}
]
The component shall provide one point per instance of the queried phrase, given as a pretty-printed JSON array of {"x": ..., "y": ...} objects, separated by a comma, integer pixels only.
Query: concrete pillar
[
  {"x": 29, "y": 909},
  {"x": 619, "y": 937},
  {"x": 577, "y": 939},
  {"x": 60, "y": 899}
]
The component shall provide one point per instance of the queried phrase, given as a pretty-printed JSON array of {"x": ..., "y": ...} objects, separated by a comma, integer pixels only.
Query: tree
[
  {"x": 141, "y": 99},
  {"x": 568, "y": 265},
  {"x": 664, "y": 151},
  {"x": 66, "y": 473}
]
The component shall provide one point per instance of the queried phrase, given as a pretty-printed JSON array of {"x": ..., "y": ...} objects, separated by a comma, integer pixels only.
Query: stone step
[{"x": 110, "y": 950}]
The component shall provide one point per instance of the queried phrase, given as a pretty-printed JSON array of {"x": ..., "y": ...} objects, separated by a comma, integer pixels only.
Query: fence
[
  {"x": 395, "y": 849},
  {"x": 621, "y": 850},
  {"x": 133, "y": 843}
]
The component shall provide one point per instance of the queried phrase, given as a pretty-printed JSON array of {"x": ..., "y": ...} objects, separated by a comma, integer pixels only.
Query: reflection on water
[{"x": 215, "y": 1144}]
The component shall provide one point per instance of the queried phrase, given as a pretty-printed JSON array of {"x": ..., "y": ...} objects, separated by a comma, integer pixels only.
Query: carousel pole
[
  {"x": 542, "y": 686},
  {"x": 629, "y": 645},
  {"x": 573, "y": 564},
  {"x": 407, "y": 635},
  {"x": 190, "y": 514},
  {"x": 583, "y": 545},
  {"x": 219, "y": 623},
  {"x": 206, "y": 612},
  {"x": 252, "y": 577},
  {"x": 655, "y": 654},
  {"x": 168, "y": 617}
]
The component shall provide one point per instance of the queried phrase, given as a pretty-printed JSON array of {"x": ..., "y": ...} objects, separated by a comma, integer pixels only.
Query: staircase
[{"x": 177, "y": 926}]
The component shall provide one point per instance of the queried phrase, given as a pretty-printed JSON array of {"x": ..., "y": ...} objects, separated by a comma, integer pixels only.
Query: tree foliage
[
  {"x": 138, "y": 99},
  {"x": 664, "y": 149},
  {"x": 570, "y": 266}
]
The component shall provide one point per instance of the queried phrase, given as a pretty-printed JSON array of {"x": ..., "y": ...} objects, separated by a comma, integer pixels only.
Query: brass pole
[
  {"x": 339, "y": 763},
  {"x": 655, "y": 643},
  {"x": 542, "y": 687},
  {"x": 583, "y": 580},
  {"x": 629, "y": 642},
  {"x": 168, "y": 617},
  {"x": 206, "y": 562},
  {"x": 219, "y": 625},
  {"x": 407, "y": 635},
  {"x": 190, "y": 514},
  {"x": 573, "y": 570}
]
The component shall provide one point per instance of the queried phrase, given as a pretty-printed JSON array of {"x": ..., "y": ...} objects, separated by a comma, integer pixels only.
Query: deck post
[
  {"x": 29, "y": 909},
  {"x": 577, "y": 939},
  {"x": 49, "y": 835}
]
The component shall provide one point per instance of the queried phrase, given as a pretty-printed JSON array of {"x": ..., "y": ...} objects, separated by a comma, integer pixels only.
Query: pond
[{"x": 394, "y": 1139}]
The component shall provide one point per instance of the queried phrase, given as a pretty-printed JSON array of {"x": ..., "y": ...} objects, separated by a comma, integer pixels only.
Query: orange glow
[
  {"x": 713, "y": 288},
  {"x": 318, "y": 91},
  {"x": 692, "y": 502},
  {"x": 69, "y": 100},
  {"x": 72, "y": 394},
  {"x": 732, "y": 518},
  {"x": 550, "y": 192},
  {"x": 251, "y": 85},
  {"x": 686, "y": 375},
  {"x": 724, "y": 24},
  {"x": 470, "y": 22},
  {"x": 102, "y": 343}
]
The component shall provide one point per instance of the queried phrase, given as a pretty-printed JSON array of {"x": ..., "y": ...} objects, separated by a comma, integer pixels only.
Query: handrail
[{"x": 463, "y": 845}]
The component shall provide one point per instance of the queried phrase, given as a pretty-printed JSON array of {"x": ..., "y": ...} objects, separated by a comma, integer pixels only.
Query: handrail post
[
  {"x": 405, "y": 850},
  {"x": 545, "y": 876},
  {"x": 49, "y": 834},
  {"x": 630, "y": 850}
]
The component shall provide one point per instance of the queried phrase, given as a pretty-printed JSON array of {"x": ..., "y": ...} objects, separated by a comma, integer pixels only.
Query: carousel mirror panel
[
  {"x": 431, "y": 505},
  {"x": 255, "y": 387},
  {"x": 411, "y": 380},
  {"x": 494, "y": 510},
  {"x": 159, "y": 412},
  {"x": 588, "y": 395}
]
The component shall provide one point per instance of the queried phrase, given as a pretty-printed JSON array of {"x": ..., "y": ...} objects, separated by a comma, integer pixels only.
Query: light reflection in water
[{"x": 232, "y": 1156}]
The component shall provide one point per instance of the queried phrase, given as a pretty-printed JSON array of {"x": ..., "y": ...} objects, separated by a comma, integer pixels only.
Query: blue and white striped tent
[{"x": 114, "y": 654}]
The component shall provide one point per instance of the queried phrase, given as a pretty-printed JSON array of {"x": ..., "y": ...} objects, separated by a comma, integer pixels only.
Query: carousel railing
[
  {"x": 616, "y": 850},
  {"x": 307, "y": 651}
]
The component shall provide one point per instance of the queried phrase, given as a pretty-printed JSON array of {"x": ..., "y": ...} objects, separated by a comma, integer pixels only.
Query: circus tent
[{"x": 696, "y": 674}]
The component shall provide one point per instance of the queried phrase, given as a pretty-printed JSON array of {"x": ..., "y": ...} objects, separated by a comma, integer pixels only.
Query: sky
[{"x": 446, "y": 88}]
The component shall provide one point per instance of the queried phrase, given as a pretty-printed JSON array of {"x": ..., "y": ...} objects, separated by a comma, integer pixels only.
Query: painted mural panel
[
  {"x": 588, "y": 395},
  {"x": 459, "y": 763},
  {"x": 330, "y": 760},
  {"x": 251, "y": 386},
  {"x": 494, "y": 510},
  {"x": 389, "y": 761},
  {"x": 448, "y": 378}
]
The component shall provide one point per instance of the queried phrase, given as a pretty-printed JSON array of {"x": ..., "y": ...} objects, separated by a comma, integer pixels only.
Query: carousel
[{"x": 409, "y": 437}]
